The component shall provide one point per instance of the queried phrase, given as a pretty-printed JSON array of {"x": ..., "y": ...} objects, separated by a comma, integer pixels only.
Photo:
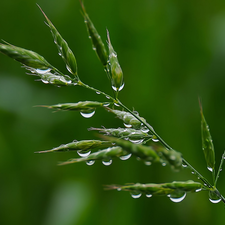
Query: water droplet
[
  {"x": 135, "y": 195},
  {"x": 83, "y": 154},
  {"x": 69, "y": 69},
  {"x": 136, "y": 141},
  {"x": 39, "y": 71},
  {"x": 198, "y": 190},
  {"x": 213, "y": 197},
  {"x": 155, "y": 139},
  {"x": 192, "y": 172},
  {"x": 106, "y": 104},
  {"x": 125, "y": 157},
  {"x": 210, "y": 169},
  {"x": 90, "y": 162},
  {"x": 118, "y": 189},
  {"x": 127, "y": 125},
  {"x": 144, "y": 129},
  {"x": 113, "y": 54},
  {"x": 87, "y": 114},
  {"x": 177, "y": 199},
  {"x": 184, "y": 165},
  {"x": 88, "y": 36},
  {"x": 107, "y": 96},
  {"x": 60, "y": 54},
  {"x": 116, "y": 104},
  {"x": 148, "y": 195},
  {"x": 44, "y": 81},
  {"x": 121, "y": 87},
  {"x": 107, "y": 163},
  {"x": 98, "y": 93},
  {"x": 147, "y": 163},
  {"x": 163, "y": 164},
  {"x": 94, "y": 48}
]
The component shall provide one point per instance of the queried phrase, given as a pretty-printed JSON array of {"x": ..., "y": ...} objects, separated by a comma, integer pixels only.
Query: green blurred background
[{"x": 171, "y": 52}]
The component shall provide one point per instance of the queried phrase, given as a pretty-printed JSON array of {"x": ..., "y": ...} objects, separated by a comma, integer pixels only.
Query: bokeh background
[{"x": 171, "y": 52}]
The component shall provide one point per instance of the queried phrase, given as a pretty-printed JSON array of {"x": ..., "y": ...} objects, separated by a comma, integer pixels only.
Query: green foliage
[{"x": 141, "y": 140}]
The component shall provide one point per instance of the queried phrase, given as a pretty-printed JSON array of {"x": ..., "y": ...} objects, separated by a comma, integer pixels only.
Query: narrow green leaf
[
  {"x": 105, "y": 154},
  {"x": 97, "y": 42},
  {"x": 207, "y": 143},
  {"x": 83, "y": 145},
  {"x": 164, "y": 189},
  {"x": 116, "y": 71},
  {"x": 64, "y": 51},
  {"x": 79, "y": 106}
]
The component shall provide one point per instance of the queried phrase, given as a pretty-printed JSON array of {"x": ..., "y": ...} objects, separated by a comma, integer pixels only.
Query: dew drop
[
  {"x": 60, "y": 54},
  {"x": 98, "y": 93},
  {"x": 88, "y": 36},
  {"x": 83, "y": 154},
  {"x": 184, "y": 165},
  {"x": 198, "y": 190},
  {"x": 135, "y": 195},
  {"x": 125, "y": 157},
  {"x": 213, "y": 197},
  {"x": 215, "y": 200},
  {"x": 107, "y": 163},
  {"x": 177, "y": 199},
  {"x": 116, "y": 104},
  {"x": 144, "y": 129},
  {"x": 121, "y": 87},
  {"x": 106, "y": 104},
  {"x": 94, "y": 48},
  {"x": 87, "y": 115},
  {"x": 148, "y": 195},
  {"x": 127, "y": 125},
  {"x": 155, "y": 139},
  {"x": 136, "y": 141},
  {"x": 210, "y": 169},
  {"x": 192, "y": 172},
  {"x": 107, "y": 96},
  {"x": 90, "y": 162},
  {"x": 163, "y": 164},
  {"x": 39, "y": 71},
  {"x": 69, "y": 69},
  {"x": 44, "y": 81},
  {"x": 118, "y": 189}
]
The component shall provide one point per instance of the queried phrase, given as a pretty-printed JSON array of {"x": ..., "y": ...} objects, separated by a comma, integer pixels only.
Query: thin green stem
[{"x": 220, "y": 168}]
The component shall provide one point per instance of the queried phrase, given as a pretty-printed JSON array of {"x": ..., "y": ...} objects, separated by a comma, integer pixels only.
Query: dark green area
[{"x": 171, "y": 52}]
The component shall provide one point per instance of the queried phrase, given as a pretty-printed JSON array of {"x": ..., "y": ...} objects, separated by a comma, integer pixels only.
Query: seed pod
[
  {"x": 173, "y": 157},
  {"x": 79, "y": 106},
  {"x": 127, "y": 118},
  {"x": 123, "y": 133},
  {"x": 26, "y": 57},
  {"x": 207, "y": 143},
  {"x": 116, "y": 71},
  {"x": 105, "y": 154},
  {"x": 97, "y": 43},
  {"x": 165, "y": 189},
  {"x": 64, "y": 51},
  {"x": 83, "y": 145},
  {"x": 145, "y": 153}
]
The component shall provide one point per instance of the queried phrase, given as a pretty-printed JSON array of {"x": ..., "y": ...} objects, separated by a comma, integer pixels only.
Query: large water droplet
[
  {"x": 107, "y": 162},
  {"x": 135, "y": 195},
  {"x": 121, "y": 87},
  {"x": 177, "y": 199},
  {"x": 83, "y": 154},
  {"x": 148, "y": 195},
  {"x": 39, "y": 71},
  {"x": 90, "y": 162},
  {"x": 125, "y": 157},
  {"x": 69, "y": 69},
  {"x": 144, "y": 129},
  {"x": 44, "y": 81},
  {"x": 106, "y": 104},
  {"x": 87, "y": 114},
  {"x": 213, "y": 197},
  {"x": 155, "y": 139}
]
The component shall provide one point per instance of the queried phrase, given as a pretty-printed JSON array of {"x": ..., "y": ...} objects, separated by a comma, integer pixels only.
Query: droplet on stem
[
  {"x": 83, "y": 154},
  {"x": 125, "y": 157},
  {"x": 177, "y": 199},
  {"x": 107, "y": 163},
  {"x": 87, "y": 114},
  {"x": 90, "y": 162},
  {"x": 135, "y": 195}
]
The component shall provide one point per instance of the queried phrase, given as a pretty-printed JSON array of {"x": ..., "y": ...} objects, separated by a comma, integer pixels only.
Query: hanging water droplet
[
  {"x": 135, "y": 195},
  {"x": 107, "y": 163},
  {"x": 88, "y": 36},
  {"x": 155, "y": 139},
  {"x": 116, "y": 104},
  {"x": 177, "y": 198},
  {"x": 118, "y": 189},
  {"x": 69, "y": 69},
  {"x": 198, "y": 190},
  {"x": 192, "y": 172},
  {"x": 94, "y": 48},
  {"x": 83, "y": 154},
  {"x": 147, "y": 163},
  {"x": 60, "y": 54},
  {"x": 90, "y": 162},
  {"x": 213, "y": 197},
  {"x": 40, "y": 71},
  {"x": 184, "y": 165},
  {"x": 125, "y": 157},
  {"x": 127, "y": 125},
  {"x": 144, "y": 129},
  {"x": 106, "y": 104},
  {"x": 210, "y": 169},
  {"x": 107, "y": 96},
  {"x": 44, "y": 81},
  {"x": 163, "y": 164},
  {"x": 87, "y": 114},
  {"x": 98, "y": 93},
  {"x": 135, "y": 141},
  {"x": 148, "y": 195}
]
